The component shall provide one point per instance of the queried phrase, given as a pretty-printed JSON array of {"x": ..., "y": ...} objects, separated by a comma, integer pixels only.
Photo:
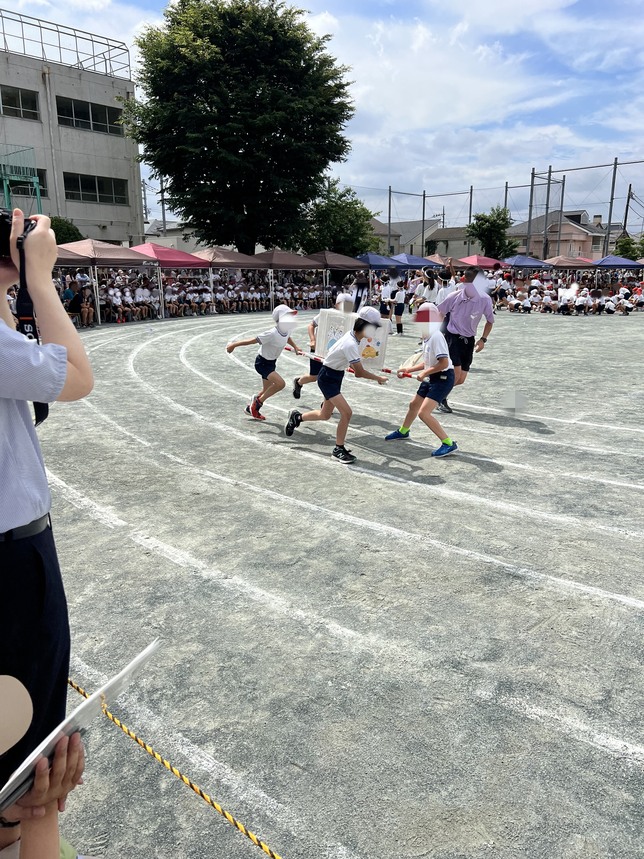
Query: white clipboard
[{"x": 22, "y": 779}]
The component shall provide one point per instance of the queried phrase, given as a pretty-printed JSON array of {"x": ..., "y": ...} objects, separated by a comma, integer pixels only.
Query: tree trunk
[{"x": 245, "y": 243}]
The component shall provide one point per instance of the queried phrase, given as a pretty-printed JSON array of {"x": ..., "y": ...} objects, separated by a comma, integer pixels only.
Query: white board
[{"x": 333, "y": 324}]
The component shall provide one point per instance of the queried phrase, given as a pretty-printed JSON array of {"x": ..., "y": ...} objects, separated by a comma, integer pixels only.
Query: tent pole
[
  {"x": 161, "y": 298},
  {"x": 97, "y": 306}
]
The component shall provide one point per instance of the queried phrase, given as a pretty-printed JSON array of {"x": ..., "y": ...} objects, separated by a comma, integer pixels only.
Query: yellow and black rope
[{"x": 211, "y": 802}]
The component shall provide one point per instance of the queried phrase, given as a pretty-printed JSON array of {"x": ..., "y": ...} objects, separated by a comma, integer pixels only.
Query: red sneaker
[{"x": 255, "y": 406}]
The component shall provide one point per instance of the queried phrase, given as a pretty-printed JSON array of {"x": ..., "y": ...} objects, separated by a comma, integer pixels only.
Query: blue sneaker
[
  {"x": 397, "y": 435},
  {"x": 445, "y": 450}
]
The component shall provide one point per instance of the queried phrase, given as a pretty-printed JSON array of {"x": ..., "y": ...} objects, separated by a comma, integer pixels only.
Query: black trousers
[{"x": 34, "y": 635}]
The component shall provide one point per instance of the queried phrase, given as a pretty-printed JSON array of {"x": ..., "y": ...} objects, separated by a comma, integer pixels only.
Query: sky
[{"x": 450, "y": 94}]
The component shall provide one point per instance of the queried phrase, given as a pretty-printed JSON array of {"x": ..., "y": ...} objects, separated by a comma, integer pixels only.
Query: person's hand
[
  {"x": 40, "y": 249},
  {"x": 382, "y": 380},
  {"x": 299, "y": 352},
  {"x": 230, "y": 348},
  {"x": 421, "y": 377},
  {"x": 401, "y": 374},
  {"x": 479, "y": 346},
  {"x": 52, "y": 784}
]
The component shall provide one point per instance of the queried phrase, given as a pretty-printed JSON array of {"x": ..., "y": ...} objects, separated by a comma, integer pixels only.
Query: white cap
[
  {"x": 343, "y": 296},
  {"x": 281, "y": 310},
  {"x": 371, "y": 315}
]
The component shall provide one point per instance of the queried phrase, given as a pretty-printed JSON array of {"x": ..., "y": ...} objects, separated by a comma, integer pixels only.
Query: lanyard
[{"x": 25, "y": 312}]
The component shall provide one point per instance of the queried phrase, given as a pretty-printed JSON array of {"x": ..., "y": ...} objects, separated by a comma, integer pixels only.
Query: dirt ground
[{"x": 403, "y": 658}]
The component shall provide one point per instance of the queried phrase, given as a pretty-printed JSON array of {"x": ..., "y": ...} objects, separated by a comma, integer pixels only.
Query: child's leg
[
  {"x": 304, "y": 380},
  {"x": 272, "y": 385},
  {"x": 415, "y": 406},
  {"x": 426, "y": 416},
  {"x": 346, "y": 414},
  {"x": 322, "y": 414}
]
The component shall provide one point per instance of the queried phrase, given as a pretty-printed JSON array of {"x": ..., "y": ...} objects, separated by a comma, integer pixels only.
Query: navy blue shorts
[
  {"x": 437, "y": 387},
  {"x": 314, "y": 367},
  {"x": 330, "y": 382},
  {"x": 34, "y": 636},
  {"x": 399, "y": 310},
  {"x": 384, "y": 309},
  {"x": 265, "y": 367}
]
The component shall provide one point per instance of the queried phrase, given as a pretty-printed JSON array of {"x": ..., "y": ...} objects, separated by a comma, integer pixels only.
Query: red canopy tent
[
  {"x": 169, "y": 257},
  {"x": 481, "y": 261},
  {"x": 103, "y": 253}
]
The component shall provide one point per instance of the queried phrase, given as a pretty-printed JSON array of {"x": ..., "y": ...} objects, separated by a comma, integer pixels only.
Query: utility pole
[
  {"x": 469, "y": 219},
  {"x": 563, "y": 188},
  {"x": 544, "y": 248},
  {"x": 610, "y": 208},
  {"x": 422, "y": 231},
  {"x": 505, "y": 197},
  {"x": 146, "y": 211},
  {"x": 628, "y": 205},
  {"x": 162, "y": 193},
  {"x": 389, "y": 224},
  {"x": 529, "y": 236}
]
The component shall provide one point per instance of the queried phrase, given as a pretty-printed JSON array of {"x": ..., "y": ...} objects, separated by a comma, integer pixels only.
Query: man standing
[{"x": 465, "y": 307}]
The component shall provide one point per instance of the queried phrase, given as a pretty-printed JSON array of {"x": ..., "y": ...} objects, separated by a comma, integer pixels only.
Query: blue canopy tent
[
  {"x": 372, "y": 260},
  {"x": 412, "y": 261},
  {"x": 520, "y": 261},
  {"x": 612, "y": 261}
]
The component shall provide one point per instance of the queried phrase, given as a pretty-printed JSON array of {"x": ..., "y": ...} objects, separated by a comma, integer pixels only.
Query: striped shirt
[{"x": 28, "y": 371}]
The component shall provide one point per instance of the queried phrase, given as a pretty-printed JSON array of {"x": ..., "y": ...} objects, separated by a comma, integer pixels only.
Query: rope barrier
[
  {"x": 211, "y": 802},
  {"x": 317, "y": 358}
]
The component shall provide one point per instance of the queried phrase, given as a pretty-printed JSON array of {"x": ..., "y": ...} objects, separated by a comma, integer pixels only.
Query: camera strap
[{"x": 26, "y": 320}]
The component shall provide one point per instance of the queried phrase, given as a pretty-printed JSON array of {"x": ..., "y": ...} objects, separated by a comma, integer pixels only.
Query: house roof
[
  {"x": 381, "y": 229},
  {"x": 448, "y": 233},
  {"x": 538, "y": 224},
  {"x": 410, "y": 230}
]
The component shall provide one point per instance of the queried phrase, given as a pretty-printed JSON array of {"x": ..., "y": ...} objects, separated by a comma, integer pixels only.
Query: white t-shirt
[
  {"x": 430, "y": 293},
  {"x": 272, "y": 342},
  {"x": 400, "y": 296},
  {"x": 444, "y": 291},
  {"x": 344, "y": 352},
  {"x": 385, "y": 292},
  {"x": 435, "y": 348}
]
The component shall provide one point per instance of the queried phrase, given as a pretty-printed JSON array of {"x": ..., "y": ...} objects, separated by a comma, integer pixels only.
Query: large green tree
[
  {"x": 627, "y": 247},
  {"x": 65, "y": 230},
  {"x": 337, "y": 220},
  {"x": 243, "y": 110},
  {"x": 490, "y": 230}
]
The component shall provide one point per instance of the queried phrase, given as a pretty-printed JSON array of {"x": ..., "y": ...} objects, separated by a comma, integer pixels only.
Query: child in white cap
[
  {"x": 342, "y": 355},
  {"x": 271, "y": 345}
]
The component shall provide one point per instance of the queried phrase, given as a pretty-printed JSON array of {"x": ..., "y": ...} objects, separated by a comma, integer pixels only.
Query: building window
[
  {"x": 19, "y": 102},
  {"x": 95, "y": 189},
  {"x": 597, "y": 243},
  {"x": 89, "y": 116},
  {"x": 26, "y": 189}
]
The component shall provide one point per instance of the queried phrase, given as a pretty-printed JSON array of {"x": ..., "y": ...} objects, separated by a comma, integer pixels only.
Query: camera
[{"x": 5, "y": 230}]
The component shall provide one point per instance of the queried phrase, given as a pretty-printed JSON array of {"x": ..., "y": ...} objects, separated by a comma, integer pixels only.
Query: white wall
[{"x": 60, "y": 149}]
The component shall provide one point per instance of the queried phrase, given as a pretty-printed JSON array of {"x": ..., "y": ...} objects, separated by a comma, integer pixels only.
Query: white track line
[
  {"x": 316, "y": 622},
  {"x": 509, "y": 438},
  {"x": 176, "y": 744},
  {"x": 311, "y": 620},
  {"x": 452, "y": 494},
  {"x": 558, "y": 475},
  {"x": 554, "y": 582},
  {"x": 571, "y": 727}
]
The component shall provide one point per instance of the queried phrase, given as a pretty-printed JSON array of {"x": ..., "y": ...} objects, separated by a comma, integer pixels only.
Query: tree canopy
[
  {"x": 243, "y": 111},
  {"x": 627, "y": 247},
  {"x": 337, "y": 220},
  {"x": 491, "y": 232},
  {"x": 65, "y": 230}
]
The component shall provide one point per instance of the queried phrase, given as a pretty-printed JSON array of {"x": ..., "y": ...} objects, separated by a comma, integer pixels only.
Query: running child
[
  {"x": 436, "y": 374},
  {"x": 342, "y": 355},
  {"x": 312, "y": 328},
  {"x": 271, "y": 345}
]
